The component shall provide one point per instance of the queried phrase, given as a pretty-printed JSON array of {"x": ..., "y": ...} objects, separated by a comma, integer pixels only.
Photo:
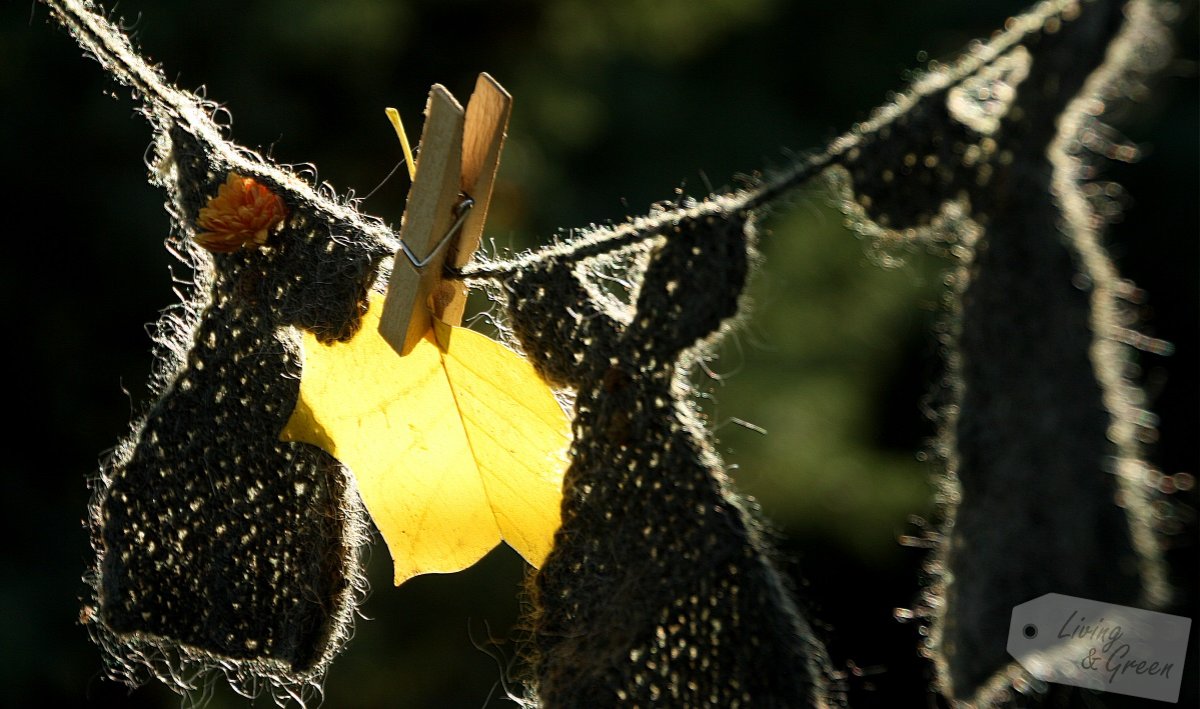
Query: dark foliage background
[{"x": 617, "y": 105}]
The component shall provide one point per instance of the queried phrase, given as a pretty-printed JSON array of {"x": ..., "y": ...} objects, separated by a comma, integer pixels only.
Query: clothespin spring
[{"x": 461, "y": 210}]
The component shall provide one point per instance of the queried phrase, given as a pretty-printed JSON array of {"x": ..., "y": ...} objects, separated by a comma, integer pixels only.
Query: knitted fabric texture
[
  {"x": 658, "y": 589},
  {"x": 1038, "y": 435},
  {"x": 215, "y": 539},
  {"x": 1042, "y": 435},
  {"x": 220, "y": 548},
  {"x": 1039, "y": 413}
]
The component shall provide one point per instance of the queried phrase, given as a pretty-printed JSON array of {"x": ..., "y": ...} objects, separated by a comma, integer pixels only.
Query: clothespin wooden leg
[
  {"x": 483, "y": 139},
  {"x": 458, "y": 160},
  {"x": 428, "y": 215}
]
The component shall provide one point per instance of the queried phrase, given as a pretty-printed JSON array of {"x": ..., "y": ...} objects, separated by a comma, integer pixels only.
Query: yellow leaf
[{"x": 455, "y": 446}]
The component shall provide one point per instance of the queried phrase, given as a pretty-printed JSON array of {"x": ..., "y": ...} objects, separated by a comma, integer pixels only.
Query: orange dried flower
[{"x": 242, "y": 215}]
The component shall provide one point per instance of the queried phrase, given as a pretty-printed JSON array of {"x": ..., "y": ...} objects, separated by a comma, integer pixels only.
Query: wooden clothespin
[{"x": 446, "y": 209}]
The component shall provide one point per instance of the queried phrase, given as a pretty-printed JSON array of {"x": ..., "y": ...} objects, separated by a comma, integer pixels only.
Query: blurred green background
[{"x": 618, "y": 105}]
